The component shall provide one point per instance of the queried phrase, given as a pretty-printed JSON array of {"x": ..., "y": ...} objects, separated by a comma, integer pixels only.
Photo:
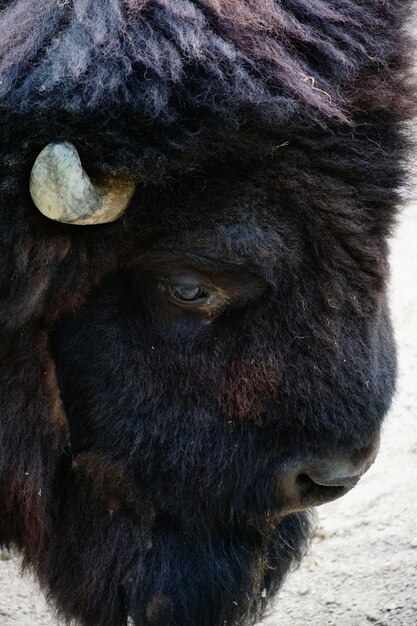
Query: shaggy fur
[{"x": 139, "y": 457}]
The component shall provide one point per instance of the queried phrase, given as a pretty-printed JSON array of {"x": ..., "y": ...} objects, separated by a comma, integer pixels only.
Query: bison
[{"x": 196, "y": 348}]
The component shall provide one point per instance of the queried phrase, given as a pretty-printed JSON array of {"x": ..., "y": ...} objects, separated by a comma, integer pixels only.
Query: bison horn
[{"x": 62, "y": 191}]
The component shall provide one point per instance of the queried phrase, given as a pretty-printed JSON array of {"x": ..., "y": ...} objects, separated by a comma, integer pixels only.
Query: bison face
[
  {"x": 234, "y": 368},
  {"x": 234, "y": 363}
]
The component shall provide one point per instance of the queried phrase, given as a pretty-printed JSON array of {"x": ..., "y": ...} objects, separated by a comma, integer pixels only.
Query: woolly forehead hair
[{"x": 276, "y": 59}]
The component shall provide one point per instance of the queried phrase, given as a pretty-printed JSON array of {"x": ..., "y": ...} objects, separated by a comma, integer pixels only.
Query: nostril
[
  {"x": 324, "y": 480},
  {"x": 331, "y": 479},
  {"x": 304, "y": 482},
  {"x": 312, "y": 493}
]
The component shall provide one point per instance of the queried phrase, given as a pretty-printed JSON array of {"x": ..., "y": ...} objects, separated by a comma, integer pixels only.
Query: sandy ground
[{"x": 362, "y": 567}]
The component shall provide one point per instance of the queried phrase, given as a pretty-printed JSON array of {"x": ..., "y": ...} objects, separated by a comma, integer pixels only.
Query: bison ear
[{"x": 63, "y": 191}]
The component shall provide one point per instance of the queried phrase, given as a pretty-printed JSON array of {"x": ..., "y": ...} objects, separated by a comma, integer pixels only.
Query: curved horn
[{"x": 62, "y": 191}]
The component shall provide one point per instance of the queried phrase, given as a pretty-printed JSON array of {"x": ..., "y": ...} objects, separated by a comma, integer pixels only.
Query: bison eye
[
  {"x": 187, "y": 289},
  {"x": 185, "y": 294}
]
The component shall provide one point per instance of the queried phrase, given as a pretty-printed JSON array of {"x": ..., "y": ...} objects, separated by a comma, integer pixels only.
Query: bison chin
[{"x": 111, "y": 556}]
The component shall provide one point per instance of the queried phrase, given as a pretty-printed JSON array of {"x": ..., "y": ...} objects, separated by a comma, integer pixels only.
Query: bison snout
[{"x": 320, "y": 481}]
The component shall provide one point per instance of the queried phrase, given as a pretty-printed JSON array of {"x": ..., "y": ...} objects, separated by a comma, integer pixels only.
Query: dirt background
[{"x": 362, "y": 567}]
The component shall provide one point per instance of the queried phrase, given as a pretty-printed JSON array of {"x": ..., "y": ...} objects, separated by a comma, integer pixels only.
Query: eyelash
[{"x": 174, "y": 293}]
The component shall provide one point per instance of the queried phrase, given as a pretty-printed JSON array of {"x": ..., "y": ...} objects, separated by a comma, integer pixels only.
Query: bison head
[{"x": 196, "y": 345}]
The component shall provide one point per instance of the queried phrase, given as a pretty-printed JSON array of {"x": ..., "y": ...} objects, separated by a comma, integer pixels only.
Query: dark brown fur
[{"x": 140, "y": 451}]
